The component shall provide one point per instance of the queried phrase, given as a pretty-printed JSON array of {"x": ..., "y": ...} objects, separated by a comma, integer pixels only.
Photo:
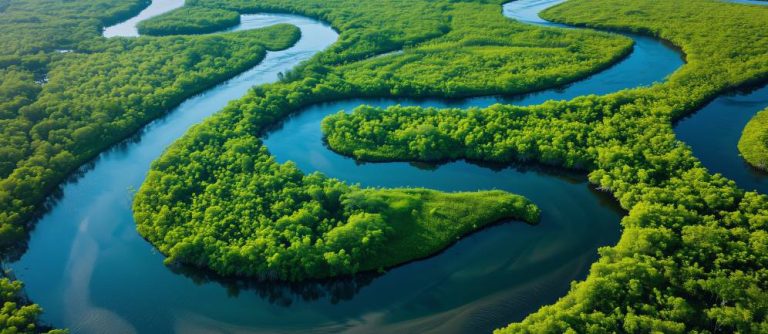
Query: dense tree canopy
[
  {"x": 753, "y": 143},
  {"x": 486, "y": 53},
  {"x": 496, "y": 134},
  {"x": 367, "y": 27},
  {"x": 100, "y": 94},
  {"x": 692, "y": 256},
  {"x": 259, "y": 218},
  {"x": 66, "y": 94},
  {"x": 198, "y": 170},
  {"x": 63, "y": 113},
  {"x": 16, "y": 314},
  {"x": 33, "y": 30},
  {"x": 189, "y": 20}
]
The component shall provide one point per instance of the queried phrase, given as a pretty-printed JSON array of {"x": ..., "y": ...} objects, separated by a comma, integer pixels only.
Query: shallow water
[{"x": 89, "y": 269}]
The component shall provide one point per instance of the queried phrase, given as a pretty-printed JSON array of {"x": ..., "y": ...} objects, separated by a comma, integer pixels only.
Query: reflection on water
[
  {"x": 92, "y": 273},
  {"x": 284, "y": 293}
]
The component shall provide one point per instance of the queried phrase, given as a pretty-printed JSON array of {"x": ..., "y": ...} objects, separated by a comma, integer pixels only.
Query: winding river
[{"x": 90, "y": 270}]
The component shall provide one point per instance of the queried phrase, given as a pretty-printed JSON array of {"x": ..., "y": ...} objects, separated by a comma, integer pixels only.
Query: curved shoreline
[
  {"x": 752, "y": 144},
  {"x": 713, "y": 133},
  {"x": 128, "y": 28},
  {"x": 58, "y": 273},
  {"x": 92, "y": 245}
]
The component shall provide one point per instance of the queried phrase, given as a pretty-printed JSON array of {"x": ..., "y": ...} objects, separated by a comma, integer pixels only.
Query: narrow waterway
[
  {"x": 89, "y": 269},
  {"x": 86, "y": 265},
  {"x": 714, "y": 131},
  {"x": 128, "y": 28}
]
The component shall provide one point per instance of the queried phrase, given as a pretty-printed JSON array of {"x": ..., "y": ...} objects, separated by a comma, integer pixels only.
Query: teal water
[{"x": 89, "y": 269}]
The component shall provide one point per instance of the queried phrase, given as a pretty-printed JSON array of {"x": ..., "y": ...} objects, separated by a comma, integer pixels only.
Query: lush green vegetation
[
  {"x": 486, "y": 53},
  {"x": 489, "y": 42},
  {"x": 753, "y": 143},
  {"x": 34, "y": 30},
  {"x": 367, "y": 27},
  {"x": 692, "y": 257},
  {"x": 693, "y": 254},
  {"x": 59, "y": 109},
  {"x": 203, "y": 170},
  {"x": 189, "y": 20},
  {"x": 259, "y": 218},
  {"x": 496, "y": 134},
  {"x": 100, "y": 94},
  {"x": 16, "y": 314},
  {"x": 94, "y": 97}
]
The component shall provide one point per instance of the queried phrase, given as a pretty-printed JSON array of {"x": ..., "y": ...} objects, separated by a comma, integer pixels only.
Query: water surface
[
  {"x": 750, "y": 2},
  {"x": 128, "y": 28},
  {"x": 89, "y": 269},
  {"x": 87, "y": 266},
  {"x": 714, "y": 131}
]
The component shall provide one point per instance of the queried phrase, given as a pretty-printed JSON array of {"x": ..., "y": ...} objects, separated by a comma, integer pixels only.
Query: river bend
[{"x": 93, "y": 273}]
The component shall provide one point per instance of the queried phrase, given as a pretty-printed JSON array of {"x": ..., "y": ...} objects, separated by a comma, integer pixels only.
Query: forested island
[
  {"x": 625, "y": 140},
  {"x": 189, "y": 20},
  {"x": 753, "y": 144},
  {"x": 694, "y": 247},
  {"x": 185, "y": 187}
]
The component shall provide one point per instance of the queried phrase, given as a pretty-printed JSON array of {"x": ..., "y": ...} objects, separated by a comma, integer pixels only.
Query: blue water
[
  {"x": 89, "y": 269},
  {"x": 714, "y": 131},
  {"x": 750, "y": 2},
  {"x": 128, "y": 28}
]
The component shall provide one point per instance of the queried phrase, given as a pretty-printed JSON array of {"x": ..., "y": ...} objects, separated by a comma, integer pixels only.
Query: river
[
  {"x": 93, "y": 273},
  {"x": 714, "y": 131}
]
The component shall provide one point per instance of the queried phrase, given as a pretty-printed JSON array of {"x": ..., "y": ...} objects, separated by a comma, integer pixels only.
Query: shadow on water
[
  {"x": 572, "y": 176},
  {"x": 55, "y": 196},
  {"x": 283, "y": 293},
  {"x": 92, "y": 273}
]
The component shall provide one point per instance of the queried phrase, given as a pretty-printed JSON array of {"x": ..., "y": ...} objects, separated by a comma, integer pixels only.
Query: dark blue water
[
  {"x": 89, "y": 269},
  {"x": 714, "y": 131},
  {"x": 87, "y": 266}
]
